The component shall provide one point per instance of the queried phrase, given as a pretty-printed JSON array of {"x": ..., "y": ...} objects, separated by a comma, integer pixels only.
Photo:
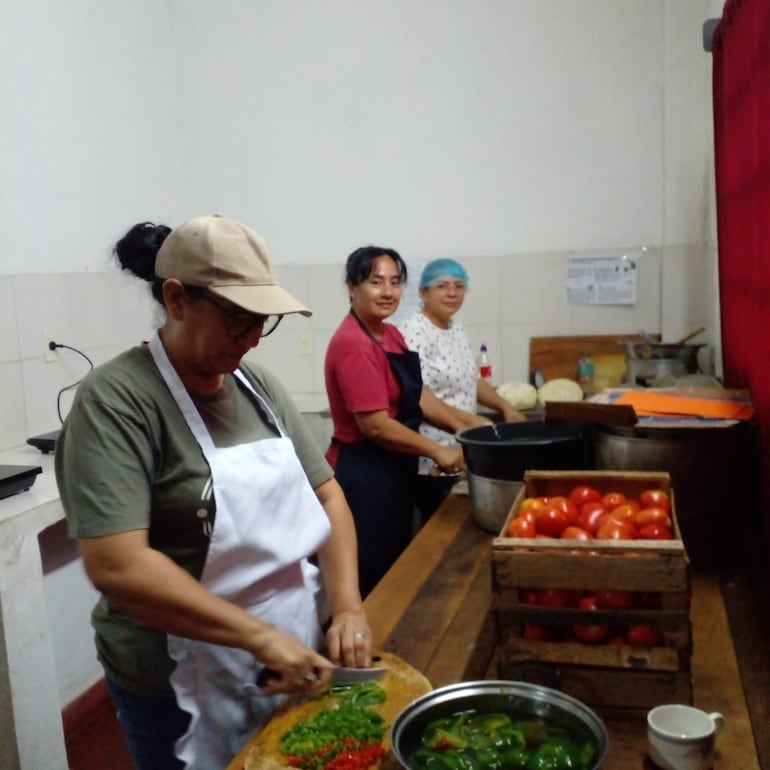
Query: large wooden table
[{"x": 433, "y": 609}]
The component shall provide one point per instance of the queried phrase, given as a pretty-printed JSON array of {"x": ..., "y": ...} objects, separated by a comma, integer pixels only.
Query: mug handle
[{"x": 719, "y": 721}]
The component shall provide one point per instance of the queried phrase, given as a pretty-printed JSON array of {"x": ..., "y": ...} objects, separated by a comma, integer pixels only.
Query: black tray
[
  {"x": 45, "y": 442},
  {"x": 17, "y": 478}
]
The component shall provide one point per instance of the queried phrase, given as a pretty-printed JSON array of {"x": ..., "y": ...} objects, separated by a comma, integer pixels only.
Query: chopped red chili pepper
[
  {"x": 345, "y": 754},
  {"x": 361, "y": 759}
]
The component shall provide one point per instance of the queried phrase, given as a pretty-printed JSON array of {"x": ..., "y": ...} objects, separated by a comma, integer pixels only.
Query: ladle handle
[{"x": 690, "y": 336}]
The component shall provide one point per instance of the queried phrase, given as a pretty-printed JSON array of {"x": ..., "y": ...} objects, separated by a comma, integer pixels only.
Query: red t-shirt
[{"x": 359, "y": 378}]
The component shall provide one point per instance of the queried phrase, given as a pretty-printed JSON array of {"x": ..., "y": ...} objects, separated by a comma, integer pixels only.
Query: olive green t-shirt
[{"x": 126, "y": 460}]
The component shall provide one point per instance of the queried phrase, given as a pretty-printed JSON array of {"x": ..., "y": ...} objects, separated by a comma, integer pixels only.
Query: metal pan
[{"x": 522, "y": 700}]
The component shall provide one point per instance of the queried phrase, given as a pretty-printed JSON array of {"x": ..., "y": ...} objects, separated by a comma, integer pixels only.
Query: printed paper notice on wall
[{"x": 601, "y": 280}]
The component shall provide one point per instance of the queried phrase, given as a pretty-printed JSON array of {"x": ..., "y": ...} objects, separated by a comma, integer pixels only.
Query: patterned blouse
[{"x": 448, "y": 369}]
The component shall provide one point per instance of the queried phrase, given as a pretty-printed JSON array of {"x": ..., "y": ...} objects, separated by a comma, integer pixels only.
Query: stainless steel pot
[
  {"x": 713, "y": 470},
  {"x": 521, "y": 700},
  {"x": 647, "y": 361}
]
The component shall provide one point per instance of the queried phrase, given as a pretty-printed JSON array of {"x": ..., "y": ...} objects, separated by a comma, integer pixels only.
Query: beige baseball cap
[{"x": 230, "y": 260}]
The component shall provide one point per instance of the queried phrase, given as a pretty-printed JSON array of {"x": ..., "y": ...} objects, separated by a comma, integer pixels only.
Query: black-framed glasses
[{"x": 241, "y": 322}]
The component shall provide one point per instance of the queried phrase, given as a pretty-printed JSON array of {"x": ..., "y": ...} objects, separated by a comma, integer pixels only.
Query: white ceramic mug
[{"x": 682, "y": 737}]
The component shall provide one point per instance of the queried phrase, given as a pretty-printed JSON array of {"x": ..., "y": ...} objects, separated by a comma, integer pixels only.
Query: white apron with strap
[{"x": 268, "y": 521}]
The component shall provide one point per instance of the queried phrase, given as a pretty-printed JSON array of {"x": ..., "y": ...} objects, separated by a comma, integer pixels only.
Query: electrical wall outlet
[
  {"x": 305, "y": 343},
  {"x": 50, "y": 355}
]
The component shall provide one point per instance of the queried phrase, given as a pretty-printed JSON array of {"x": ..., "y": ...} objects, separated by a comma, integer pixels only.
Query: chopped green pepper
[{"x": 329, "y": 726}]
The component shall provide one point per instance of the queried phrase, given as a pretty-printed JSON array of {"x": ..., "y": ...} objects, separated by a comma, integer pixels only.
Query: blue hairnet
[{"x": 442, "y": 268}]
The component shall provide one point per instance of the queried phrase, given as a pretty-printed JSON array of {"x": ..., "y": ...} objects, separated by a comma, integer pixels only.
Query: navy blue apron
[{"x": 379, "y": 483}]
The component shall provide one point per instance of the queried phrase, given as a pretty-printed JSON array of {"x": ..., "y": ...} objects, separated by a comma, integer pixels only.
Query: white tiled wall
[{"x": 511, "y": 299}]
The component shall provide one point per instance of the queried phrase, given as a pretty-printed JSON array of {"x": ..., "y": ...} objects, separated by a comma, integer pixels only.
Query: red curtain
[{"x": 741, "y": 88}]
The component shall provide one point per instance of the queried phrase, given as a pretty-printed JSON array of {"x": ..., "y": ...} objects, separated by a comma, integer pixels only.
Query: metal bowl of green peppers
[{"x": 498, "y": 724}]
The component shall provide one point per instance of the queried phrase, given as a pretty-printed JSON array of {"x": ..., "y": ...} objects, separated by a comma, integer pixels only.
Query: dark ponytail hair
[{"x": 136, "y": 252}]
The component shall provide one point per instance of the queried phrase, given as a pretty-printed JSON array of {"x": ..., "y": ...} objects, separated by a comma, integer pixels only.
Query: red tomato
[
  {"x": 588, "y": 602},
  {"x": 566, "y": 505},
  {"x": 551, "y": 520},
  {"x": 576, "y": 533},
  {"x": 583, "y": 494},
  {"x": 655, "y": 498},
  {"x": 593, "y": 634},
  {"x": 613, "y": 529},
  {"x": 532, "y": 503},
  {"x": 527, "y": 513},
  {"x": 554, "y": 597},
  {"x": 537, "y": 633},
  {"x": 644, "y": 635},
  {"x": 589, "y": 516},
  {"x": 652, "y": 515},
  {"x": 590, "y": 634},
  {"x": 654, "y": 532},
  {"x": 528, "y": 595},
  {"x": 521, "y": 527},
  {"x": 613, "y": 500},
  {"x": 614, "y": 600},
  {"x": 625, "y": 512}
]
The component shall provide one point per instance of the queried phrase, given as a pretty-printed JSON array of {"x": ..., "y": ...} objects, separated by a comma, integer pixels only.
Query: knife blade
[{"x": 341, "y": 676}]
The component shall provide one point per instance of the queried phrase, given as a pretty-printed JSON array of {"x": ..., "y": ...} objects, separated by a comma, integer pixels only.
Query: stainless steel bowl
[
  {"x": 522, "y": 700},
  {"x": 491, "y": 500}
]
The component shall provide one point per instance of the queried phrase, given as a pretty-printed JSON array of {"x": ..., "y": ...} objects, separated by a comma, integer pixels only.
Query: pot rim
[
  {"x": 543, "y": 434},
  {"x": 664, "y": 351}
]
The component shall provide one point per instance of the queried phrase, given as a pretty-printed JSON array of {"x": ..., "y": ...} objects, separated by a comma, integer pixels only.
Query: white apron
[{"x": 268, "y": 521}]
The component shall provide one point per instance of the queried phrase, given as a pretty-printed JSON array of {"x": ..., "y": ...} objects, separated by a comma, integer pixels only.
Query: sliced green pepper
[
  {"x": 515, "y": 759},
  {"x": 440, "y": 739},
  {"x": 555, "y": 754},
  {"x": 428, "y": 759},
  {"x": 534, "y": 733}
]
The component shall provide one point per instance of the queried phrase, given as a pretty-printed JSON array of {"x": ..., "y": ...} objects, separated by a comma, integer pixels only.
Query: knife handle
[{"x": 265, "y": 675}]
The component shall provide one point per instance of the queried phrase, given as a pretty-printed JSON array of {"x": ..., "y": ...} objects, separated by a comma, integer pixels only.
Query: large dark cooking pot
[
  {"x": 504, "y": 451},
  {"x": 713, "y": 470},
  {"x": 521, "y": 700}
]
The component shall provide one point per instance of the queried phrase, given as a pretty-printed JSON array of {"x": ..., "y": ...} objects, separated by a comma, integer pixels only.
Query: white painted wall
[
  {"x": 507, "y": 133},
  {"x": 501, "y": 127}
]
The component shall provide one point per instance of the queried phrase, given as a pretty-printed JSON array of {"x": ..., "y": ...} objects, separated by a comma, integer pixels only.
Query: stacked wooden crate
[{"x": 617, "y": 679}]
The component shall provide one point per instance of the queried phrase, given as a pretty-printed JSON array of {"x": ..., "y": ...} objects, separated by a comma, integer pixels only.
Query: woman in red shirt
[{"x": 377, "y": 403}]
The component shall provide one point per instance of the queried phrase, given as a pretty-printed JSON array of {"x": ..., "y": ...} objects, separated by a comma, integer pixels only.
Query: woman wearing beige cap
[{"x": 198, "y": 495}]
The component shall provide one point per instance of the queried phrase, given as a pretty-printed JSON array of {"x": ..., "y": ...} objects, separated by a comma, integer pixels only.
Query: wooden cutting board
[
  {"x": 401, "y": 682},
  {"x": 558, "y": 356}
]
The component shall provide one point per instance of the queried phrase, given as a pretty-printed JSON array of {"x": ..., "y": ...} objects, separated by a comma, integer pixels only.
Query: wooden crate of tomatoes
[{"x": 591, "y": 581}]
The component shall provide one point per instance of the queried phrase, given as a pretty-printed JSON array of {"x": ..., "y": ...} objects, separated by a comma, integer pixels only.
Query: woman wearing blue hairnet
[{"x": 448, "y": 368}]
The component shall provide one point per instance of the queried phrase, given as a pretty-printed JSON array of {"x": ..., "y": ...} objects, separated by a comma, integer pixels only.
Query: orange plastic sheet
[{"x": 649, "y": 403}]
